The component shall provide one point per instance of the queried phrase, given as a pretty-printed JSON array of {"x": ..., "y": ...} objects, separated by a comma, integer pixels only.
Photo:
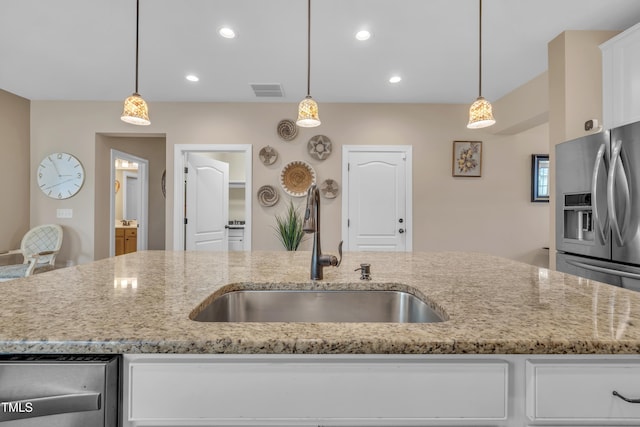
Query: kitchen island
[
  {"x": 519, "y": 344},
  {"x": 141, "y": 303}
]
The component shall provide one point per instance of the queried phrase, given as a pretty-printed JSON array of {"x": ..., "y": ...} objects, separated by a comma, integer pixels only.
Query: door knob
[{"x": 401, "y": 231}]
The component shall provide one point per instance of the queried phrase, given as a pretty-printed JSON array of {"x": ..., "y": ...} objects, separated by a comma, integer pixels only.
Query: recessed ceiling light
[
  {"x": 363, "y": 35},
  {"x": 227, "y": 33},
  {"x": 192, "y": 77},
  {"x": 395, "y": 79}
]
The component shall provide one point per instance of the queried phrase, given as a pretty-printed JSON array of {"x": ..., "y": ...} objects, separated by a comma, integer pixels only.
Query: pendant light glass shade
[
  {"x": 308, "y": 113},
  {"x": 308, "y": 108},
  {"x": 480, "y": 114},
  {"x": 135, "y": 111}
]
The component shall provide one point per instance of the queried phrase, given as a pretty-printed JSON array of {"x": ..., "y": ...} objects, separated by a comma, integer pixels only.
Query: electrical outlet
[{"x": 64, "y": 213}]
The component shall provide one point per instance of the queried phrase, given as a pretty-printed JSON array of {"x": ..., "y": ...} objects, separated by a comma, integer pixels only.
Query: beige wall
[
  {"x": 490, "y": 214},
  {"x": 14, "y": 173},
  {"x": 575, "y": 95}
]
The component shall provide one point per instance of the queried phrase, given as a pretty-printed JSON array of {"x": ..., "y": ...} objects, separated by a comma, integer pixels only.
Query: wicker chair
[{"x": 39, "y": 248}]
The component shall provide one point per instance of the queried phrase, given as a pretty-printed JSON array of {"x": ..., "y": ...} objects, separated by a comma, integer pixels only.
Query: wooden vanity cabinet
[{"x": 126, "y": 240}]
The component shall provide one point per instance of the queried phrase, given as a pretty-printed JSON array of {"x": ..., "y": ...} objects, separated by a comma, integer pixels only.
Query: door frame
[
  {"x": 408, "y": 151},
  {"x": 179, "y": 152},
  {"x": 143, "y": 222}
]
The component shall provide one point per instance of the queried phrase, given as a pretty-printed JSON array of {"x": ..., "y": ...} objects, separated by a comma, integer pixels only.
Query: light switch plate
[{"x": 64, "y": 213}]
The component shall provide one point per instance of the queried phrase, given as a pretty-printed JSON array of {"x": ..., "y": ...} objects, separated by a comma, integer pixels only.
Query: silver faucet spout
[{"x": 312, "y": 225}]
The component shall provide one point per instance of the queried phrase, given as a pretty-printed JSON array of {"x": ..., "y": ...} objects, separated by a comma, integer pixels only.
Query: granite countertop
[{"x": 141, "y": 302}]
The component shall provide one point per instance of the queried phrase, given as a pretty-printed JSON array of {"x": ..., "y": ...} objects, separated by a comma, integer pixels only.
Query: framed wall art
[{"x": 467, "y": 158}]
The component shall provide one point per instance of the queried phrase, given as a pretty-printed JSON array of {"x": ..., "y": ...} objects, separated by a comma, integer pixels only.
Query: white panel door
[
  {"x": 377, "y": 201},
  {"x": 206, "y": 204}
]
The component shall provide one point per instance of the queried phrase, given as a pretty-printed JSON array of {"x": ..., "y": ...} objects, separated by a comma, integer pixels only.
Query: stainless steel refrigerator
[{"x": 598, "y": 206}]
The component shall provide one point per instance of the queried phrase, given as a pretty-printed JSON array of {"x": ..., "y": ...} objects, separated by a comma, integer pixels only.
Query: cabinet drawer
[
  {"x": 580, "y": 391},
  {"x": 131, "y": 232},
  {"x": 233, "y": 391}
]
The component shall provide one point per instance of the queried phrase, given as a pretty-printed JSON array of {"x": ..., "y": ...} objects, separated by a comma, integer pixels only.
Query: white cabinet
[
  {"x": 581, "y": 392},
  {"x": 236, "y": 239},
  {"x": 381, "y": 390},
  {"x": 621, "y": 78},
  {"x": 294, "y": 391}
]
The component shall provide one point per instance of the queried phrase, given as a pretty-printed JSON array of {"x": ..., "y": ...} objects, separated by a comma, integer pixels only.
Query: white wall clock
[{"x": 60, "y": 175}]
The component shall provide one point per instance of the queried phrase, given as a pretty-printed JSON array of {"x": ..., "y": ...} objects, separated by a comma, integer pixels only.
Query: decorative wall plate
[
  {"x": 287, "y": 129},
  {"x": 268, "y": 195},
  {"x": 319, "y": 147},
  {"x": 296, "y": 178},
  {"x": 329, "y": 188},
  {"x": 268, "y": 155}
]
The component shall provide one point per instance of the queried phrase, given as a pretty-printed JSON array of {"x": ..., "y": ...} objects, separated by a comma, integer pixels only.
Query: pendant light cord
[
  {"x": 480, "y": 51},
  {"x": 308, "y": 47},
  {"x": 137, "y": 25}
]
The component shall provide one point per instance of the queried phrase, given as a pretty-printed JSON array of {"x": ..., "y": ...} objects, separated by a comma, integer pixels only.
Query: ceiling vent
[{"x": 267, "y": 90}]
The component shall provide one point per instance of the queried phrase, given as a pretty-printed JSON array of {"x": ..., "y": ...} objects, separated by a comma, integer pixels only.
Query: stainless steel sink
[{"x": 317, "y": 306}]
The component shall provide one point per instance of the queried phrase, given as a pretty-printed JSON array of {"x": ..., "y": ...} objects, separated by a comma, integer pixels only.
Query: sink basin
[{"x": 317, "y": 306}]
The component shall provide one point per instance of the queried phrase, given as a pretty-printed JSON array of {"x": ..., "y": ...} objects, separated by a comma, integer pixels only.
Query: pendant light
[
  {"x": 480, "y": 113},
  {"x": 135, "y": 110},
  {"x": 308, "y": 108}
]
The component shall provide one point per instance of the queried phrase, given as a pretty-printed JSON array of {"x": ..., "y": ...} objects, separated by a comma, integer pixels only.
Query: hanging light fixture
[
  {"x": 480, "y": 113},
  {"x": 308, "y": 108},
  {"x": 135, "y": 108}
]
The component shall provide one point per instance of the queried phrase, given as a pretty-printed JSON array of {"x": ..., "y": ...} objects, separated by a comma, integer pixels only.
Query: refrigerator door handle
[
  {"x": 600, "y": 227},
  {"x": 603, "y": 269},
  {"x": 616, "y": 161}
]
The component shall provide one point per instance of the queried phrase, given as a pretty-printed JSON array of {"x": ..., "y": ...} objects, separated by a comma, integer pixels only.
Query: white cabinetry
[
  {"x": 621, "y": 78},
  {"x": 380, "y": 390},
  {"x": 295, "y": 391},
  {"x": 236, "y": 239},
  {"x": 581, "y": 392}
]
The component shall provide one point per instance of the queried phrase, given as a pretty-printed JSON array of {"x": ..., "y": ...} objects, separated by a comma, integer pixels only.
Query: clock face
[{"x": 60, "y": 175}]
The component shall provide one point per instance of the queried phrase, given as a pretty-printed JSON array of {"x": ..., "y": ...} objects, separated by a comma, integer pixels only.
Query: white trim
[
  {"x": 143, "y": 221},
  {"x": 408, "y": 151},
  {"x": 179, "y": 152}
]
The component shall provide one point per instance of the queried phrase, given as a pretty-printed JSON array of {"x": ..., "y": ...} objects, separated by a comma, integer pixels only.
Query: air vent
[{"x": 268, "y": 90}]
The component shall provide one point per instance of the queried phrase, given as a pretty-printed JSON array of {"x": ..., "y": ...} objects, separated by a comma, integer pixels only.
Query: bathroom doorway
[{"x": 130, "y": 199}]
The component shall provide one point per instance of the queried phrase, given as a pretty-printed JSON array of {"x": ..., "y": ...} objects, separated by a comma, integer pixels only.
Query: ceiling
[{"x": 85, "y": 49}]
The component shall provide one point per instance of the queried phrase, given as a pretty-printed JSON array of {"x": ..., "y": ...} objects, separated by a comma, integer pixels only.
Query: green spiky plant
[{"x": 289, "y": 228}]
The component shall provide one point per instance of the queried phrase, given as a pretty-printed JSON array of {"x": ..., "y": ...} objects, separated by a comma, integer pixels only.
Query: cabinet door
[
  {"x": 620, "y": 78},
  {"x": 582, "y": 392},
  {"x": 334, "y": 392},
  {"x": 130, "y": 241},
  {"x": 119, "y": 241}
]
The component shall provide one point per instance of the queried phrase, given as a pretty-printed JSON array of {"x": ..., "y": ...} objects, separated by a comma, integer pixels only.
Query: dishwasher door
[{"x": 59, "y": 391}]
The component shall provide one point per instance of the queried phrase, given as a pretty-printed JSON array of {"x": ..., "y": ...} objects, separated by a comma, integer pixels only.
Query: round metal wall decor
[
  {"x": 296, "y": 178},
  {"x": 287, "y": 129},
  {"x": 319, "y": 147},
  {"x": 268, "y": 195}
]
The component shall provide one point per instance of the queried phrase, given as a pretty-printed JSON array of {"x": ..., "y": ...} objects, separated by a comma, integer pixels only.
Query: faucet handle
[{"x": 340, "y": 252}]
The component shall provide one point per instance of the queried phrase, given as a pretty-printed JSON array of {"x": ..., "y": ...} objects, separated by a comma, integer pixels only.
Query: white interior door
[
  {"x": 378, "y": 199},
  {"x": 206, "y": 204}
]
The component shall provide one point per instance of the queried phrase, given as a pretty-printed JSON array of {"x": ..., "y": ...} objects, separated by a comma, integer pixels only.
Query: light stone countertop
[{"x": 493, "y": 305}]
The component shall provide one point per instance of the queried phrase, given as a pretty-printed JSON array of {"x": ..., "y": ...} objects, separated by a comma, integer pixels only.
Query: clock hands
[
  {"x": 59, "y": 183},
  {"x": 55, "y": 166}
]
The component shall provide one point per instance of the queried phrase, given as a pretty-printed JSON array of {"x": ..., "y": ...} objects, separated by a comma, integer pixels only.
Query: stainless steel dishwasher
[{"x": 59, "y": 390}]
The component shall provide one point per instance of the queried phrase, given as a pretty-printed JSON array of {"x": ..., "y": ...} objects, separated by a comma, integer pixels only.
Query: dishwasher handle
[{"x": 52, "y": 405}]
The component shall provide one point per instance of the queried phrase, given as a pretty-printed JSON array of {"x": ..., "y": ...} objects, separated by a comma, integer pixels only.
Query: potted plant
[{"x": 289, "y": 227}]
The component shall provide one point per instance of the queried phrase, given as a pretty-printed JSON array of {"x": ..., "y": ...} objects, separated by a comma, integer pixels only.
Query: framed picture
[
  {"x": 540, "y": 178},
  {"x": 467, "y": 158}
]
